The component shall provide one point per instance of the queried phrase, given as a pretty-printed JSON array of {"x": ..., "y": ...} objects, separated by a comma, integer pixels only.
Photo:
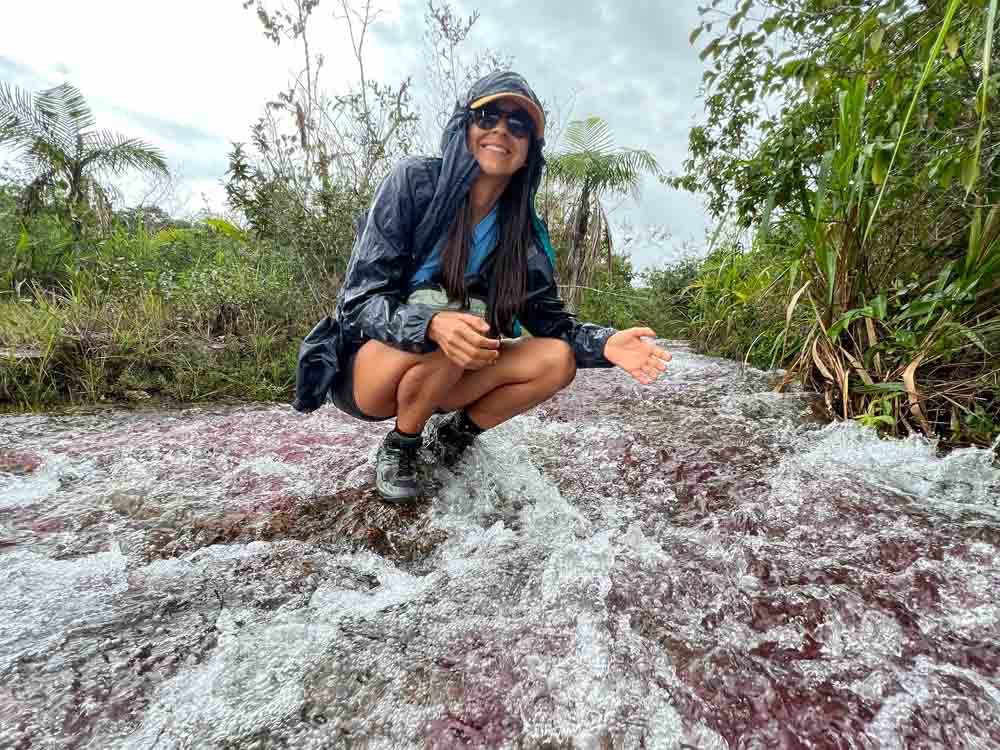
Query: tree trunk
[
  {"x": 607, "y": 239},
  {"x": 75, "y": 201},
  {"x": 577, "y": 251}
]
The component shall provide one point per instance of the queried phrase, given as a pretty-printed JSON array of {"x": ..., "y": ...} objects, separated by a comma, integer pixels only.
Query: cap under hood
[{"x": 459, "y": 167}]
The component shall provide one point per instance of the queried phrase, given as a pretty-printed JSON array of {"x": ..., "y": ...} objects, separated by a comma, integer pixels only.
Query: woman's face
[{"x": 498, "y": 152}]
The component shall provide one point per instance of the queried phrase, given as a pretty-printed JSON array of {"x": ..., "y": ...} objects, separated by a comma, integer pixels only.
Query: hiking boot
[
  {"x": 397, "y": 477},
  {"x": 451, "y": 440}
]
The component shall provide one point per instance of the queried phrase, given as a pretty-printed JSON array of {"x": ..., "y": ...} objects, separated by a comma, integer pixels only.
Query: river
[{"x": 694, "y": 564}]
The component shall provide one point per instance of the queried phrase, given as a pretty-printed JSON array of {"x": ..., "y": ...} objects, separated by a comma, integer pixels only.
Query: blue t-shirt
[{"x": 484, "y": 241}]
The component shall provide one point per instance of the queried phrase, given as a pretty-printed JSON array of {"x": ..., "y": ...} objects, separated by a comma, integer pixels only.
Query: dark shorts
[{"x": 343, "y": 395}]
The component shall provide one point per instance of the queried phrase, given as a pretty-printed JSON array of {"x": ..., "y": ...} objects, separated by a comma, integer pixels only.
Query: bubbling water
[{"x": 691, "y": 564}]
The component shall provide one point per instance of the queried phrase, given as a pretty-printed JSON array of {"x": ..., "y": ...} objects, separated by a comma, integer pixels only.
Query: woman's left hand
[{"x": 642, "y": 360}]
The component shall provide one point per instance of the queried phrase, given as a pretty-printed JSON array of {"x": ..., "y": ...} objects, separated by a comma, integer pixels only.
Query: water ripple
[{"x": 694, "y": 564}]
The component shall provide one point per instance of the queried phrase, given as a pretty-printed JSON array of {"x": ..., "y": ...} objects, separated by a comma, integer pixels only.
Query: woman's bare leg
[
  {"x": 411, "y": 387},
  {"x": 392, "y": 383},
  {"x": 422, "y": 389},
  {"x": 529, "y": 372}
]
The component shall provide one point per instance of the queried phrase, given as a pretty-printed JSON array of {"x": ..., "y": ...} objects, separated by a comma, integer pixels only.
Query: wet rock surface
[{"x": 694, "y": 564}]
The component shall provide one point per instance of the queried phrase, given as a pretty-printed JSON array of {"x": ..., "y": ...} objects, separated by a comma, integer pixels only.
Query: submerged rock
[
  {"x": 19, "y": 463},
  {"x": 133, "y": 504}
]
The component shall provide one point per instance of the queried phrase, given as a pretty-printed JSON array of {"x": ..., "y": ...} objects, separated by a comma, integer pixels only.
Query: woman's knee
[
  {"x": 559, "y": 363},
  {"x": 378, "y": 371},
  {"x": 434, "y": 366}
]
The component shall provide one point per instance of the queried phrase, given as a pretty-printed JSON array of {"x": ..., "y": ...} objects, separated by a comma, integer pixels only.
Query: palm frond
[
  {"x": 641, "y": 161},
  {"x": 30, "y": 132},
  {"x": 66, "y": 111},
  {"x": 591, "y": 135},
  {"x": 20, "y": 124},
  {"x": 616, "y": 176},
  {"x": 622, "y": 171},
  {"x": 46, "y": 156},
  {"x": 592, "y": 160},
  {"x": 570, "y": 169},
  {"x": 115, "y": 153}
]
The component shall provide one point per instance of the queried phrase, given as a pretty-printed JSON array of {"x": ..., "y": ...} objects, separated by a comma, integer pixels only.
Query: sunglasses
[{"x": 519, "y": 122}]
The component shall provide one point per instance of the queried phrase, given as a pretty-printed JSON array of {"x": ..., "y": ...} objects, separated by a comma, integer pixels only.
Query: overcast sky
[{"x": 192, "y": 76}]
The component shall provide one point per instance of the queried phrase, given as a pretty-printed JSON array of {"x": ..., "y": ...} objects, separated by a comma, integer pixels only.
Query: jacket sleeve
[
  {"x": 372, "y": 298},
  {"x": 545, "y": 315}
]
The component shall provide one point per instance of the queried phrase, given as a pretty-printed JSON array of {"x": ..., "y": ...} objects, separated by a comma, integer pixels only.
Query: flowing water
[{"x": 696, "y": 564}]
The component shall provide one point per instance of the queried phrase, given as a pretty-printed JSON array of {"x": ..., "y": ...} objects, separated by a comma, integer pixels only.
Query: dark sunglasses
[{"x": 519, "y": 122}]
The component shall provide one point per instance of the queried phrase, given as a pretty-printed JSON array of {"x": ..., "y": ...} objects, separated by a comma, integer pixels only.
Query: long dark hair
[{"x": 508, "y": 279}]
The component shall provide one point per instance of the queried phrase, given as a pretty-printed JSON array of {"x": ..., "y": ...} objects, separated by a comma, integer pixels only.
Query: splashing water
[{"x": 693, "y": 564}]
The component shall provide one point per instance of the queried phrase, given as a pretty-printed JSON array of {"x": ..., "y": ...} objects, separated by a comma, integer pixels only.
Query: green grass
[
  {"x": 60, "y": 351},
  {"x": 182, "y": 314}
]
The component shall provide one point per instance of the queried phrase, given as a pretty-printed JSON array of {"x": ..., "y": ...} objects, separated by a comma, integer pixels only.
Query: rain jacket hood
[
  {"x": 411, "y": 211},
  {"x": 459, "y": 167}
]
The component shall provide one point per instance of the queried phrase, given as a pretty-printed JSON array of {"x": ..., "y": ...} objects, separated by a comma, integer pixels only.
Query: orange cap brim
[{"x": 537, "y": 116}]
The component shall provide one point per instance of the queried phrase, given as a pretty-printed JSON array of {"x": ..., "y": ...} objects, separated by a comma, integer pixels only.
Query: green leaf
[
  {"x": 23, "y": 240},
  {"x": 893, "y": 387},
  {"x": 947, "y": 174},
  {"x": 821, "y": 184},
  {"x": 951, "y": 43},
  {"x": 831, "y": 258},
  {"x": 975, "y": 237},
  {"x": 970, "y": 172},
  {"x": 224, "y": 227},
  {"x": 879, "y": 306},
  {"x": 811, "y": 83},
  {"x": 875, "y": 41},
  {"x": 695, "y": 34},
  {"x": 840, "y": 325},
  {"x": 880, "y": 167},
  {"x": 981, "y": 100},
  {"x": 944, "y": 277},
  {"x": 924, "y": 77},
  {"x": 917, "y": 309}
]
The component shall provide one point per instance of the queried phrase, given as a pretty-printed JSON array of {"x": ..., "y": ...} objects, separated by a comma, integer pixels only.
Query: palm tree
[
  {"x": 593, "y": 168},
  {"x": 53, "y": 133}
]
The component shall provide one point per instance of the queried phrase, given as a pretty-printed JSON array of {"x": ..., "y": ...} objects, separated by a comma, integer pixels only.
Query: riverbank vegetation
[{"x": 850, "y": 157}]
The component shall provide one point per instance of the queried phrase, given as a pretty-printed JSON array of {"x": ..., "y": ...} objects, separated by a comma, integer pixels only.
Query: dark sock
[
  {"x": 407, "y": 435},
  {"x": 467, "y": 425}
]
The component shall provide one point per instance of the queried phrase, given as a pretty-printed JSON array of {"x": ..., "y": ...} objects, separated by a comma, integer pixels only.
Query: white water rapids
[{"x": 694, "y": 564}]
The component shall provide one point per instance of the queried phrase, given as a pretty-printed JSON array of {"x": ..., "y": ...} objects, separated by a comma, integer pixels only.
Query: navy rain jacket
[{"x": 412, "y": 209}]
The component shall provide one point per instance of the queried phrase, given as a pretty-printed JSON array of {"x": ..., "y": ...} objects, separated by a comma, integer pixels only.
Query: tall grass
[
  {"x": 905, "y": 338},
  {"x": 184, "y": 314}
]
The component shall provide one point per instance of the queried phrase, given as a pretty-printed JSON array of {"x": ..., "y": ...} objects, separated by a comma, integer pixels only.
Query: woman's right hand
[{"x": 460, "y": 336}]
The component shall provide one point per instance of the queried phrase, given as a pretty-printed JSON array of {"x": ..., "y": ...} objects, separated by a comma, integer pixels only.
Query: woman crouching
[{"x": 450, "y": 261}]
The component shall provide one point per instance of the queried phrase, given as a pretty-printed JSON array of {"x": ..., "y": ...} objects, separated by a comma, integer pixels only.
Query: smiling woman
[{"x": 449, "y": 262}]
